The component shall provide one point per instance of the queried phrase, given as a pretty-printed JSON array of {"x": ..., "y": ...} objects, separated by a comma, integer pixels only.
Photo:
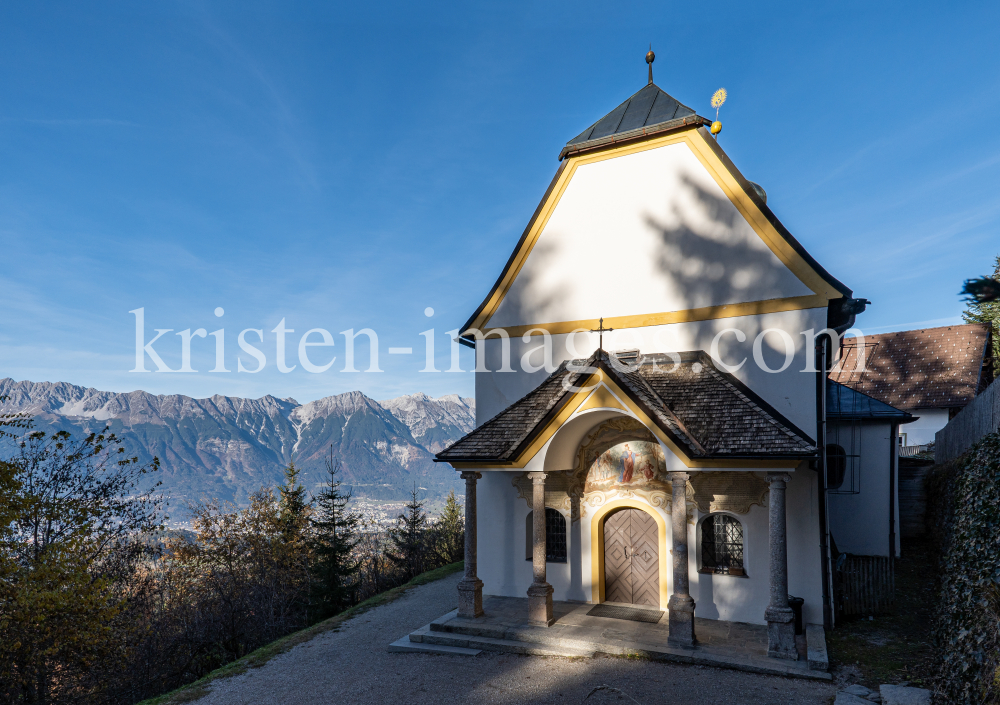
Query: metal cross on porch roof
[{"x": 601, "y": 330}]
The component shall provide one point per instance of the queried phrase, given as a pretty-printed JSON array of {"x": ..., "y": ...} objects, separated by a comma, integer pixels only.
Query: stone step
[
  {"x": 509, "y": 646},
  {"x": 404, "y": 645}
]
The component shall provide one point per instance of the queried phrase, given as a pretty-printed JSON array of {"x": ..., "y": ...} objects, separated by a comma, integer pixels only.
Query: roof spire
[{"x": 650, "y": 58}]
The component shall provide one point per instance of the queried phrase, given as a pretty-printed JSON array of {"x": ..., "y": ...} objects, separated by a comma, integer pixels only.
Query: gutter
[
  {"x": 893, "y": 469},
  {"x": 824, "y": 523}
]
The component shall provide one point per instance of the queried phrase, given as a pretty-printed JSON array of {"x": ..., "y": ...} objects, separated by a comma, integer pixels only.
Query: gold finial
[
  {"x": 650, "y": 58},
  {"x": 718, "y": 98}
]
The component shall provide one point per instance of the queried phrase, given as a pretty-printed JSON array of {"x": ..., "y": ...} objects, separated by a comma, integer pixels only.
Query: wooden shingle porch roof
[{"x": 706, "y": 413}]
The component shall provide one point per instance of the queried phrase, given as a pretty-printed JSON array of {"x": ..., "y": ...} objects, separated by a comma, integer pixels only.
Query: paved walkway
[{"x": 353, "y": 666}]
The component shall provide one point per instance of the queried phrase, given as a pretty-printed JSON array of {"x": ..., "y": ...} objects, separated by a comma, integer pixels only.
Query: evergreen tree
[
  {"x": 449, "y": 532},
  {"x": 293, "y": 506},
  {"x": 335, "y": 534},
  {"x": 985, "y": 308},
  {"x": 409, "y": 538}
]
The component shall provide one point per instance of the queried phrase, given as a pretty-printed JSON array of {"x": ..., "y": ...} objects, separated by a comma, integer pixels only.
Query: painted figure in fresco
[
  {"x": 628, "y": 465},
  {"x": 646, "y": 466}
]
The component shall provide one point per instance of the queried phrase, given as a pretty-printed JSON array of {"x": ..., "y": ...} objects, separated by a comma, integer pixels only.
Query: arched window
[
  {"x": 555, "y": 536},
  {"x": 722, "y": 545},
  {"x": 836, "y": 466}
]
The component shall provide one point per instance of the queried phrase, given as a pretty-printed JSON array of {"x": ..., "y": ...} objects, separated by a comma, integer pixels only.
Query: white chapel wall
[
  {"x": 504, "y": 570},
  {"x": 643, "y": 233}
]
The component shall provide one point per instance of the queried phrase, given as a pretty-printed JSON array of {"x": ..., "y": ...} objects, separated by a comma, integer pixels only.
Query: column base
[
  {"x": 781, "y": 633},
  {"x": 540, "y": 605},
  {"x": 680, "y": 615},
  {"x": 470, "y": 598}
]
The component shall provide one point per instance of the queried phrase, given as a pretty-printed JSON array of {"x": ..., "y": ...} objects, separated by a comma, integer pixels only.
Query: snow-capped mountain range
[{"x": 226, "y": 447}]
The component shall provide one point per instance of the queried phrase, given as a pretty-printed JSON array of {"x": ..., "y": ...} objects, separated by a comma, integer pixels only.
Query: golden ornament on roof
[{"x": 718, "y": 98}]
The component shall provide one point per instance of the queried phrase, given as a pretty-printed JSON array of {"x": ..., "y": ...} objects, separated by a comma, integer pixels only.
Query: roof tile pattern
[
  {"x": 919, "y": 369},
  {"x": 708, "y": 413}
]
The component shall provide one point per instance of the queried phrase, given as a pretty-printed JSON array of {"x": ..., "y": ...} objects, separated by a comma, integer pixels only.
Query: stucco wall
[
  {"x": 859, "y": 522},
  {"x": 921, "y": 431},
  {"x": 504, "y": 570},
  {"x": 643, "y": 233}
]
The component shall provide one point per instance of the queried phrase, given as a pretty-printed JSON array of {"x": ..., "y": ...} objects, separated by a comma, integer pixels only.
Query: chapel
[{"x": 651, "y": 393}]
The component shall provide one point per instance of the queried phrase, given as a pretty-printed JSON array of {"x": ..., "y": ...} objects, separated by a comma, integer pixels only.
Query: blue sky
[{"x": 348, "y": 165}]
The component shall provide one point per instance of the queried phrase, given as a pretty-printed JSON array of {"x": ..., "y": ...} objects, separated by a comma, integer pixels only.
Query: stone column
[
  {"x": 681, "y": 606},
  {"x": 779, "y": 616},
  {"x": 470, "y": 588},
  {"x": 540, "y": 592}
]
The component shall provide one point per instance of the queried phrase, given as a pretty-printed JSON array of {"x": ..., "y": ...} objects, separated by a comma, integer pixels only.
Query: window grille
[
  {"x": 836, "y": 466},
  {"x": 722, "y": 545},
  {"x": 555, "y": 536}
]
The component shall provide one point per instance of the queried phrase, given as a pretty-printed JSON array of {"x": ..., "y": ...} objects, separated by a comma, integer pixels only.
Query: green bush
[{"x": 967, "y": 518}]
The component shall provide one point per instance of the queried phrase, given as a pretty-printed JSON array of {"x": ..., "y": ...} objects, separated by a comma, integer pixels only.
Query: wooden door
[{"x": 631, "y": 558}]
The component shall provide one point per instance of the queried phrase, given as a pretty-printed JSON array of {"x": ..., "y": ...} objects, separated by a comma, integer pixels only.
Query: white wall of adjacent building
[
  {"x": 921, "y": 431},
  {"x": 859, "y": 522}
]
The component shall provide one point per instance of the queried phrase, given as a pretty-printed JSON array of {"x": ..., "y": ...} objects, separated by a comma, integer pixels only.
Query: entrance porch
[{"x": 505, "y": 627}]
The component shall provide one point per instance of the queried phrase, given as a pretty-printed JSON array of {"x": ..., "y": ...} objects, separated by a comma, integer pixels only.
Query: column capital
[
  {"x": 775, "y": 477},
  {"x": 679, "y": 475},
  {"x": 471, "y": 475},
  {"x": 537, "y": 477}
]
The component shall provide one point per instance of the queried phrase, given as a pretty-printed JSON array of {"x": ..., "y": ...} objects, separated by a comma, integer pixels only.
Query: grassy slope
[
  {"x": 894, "y": 647},
  {"x": 262, "y": 655}
]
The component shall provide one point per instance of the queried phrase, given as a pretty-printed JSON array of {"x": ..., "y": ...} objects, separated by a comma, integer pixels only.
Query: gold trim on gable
[
  {"x": 602, "y": 398},
  {"x": 823, "y": 291},
  {"x": 708, "y": 313}
]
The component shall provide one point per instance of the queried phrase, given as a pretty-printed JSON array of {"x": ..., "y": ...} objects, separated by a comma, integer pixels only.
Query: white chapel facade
[{"x": 666, "y": 455}]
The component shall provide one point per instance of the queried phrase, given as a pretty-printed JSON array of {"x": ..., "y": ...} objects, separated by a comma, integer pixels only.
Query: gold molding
[
  {"x": 602, "y": 398},
  {"x": 695, "y": 140},
  {"x": 597, "y": 548},
  {"x": 707, "y": 313}
]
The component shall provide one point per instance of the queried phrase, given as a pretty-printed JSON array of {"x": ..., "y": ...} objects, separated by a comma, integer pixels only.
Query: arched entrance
[{"x": 631, "y": 557}]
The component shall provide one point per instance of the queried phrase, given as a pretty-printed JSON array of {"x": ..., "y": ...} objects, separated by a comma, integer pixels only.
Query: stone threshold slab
[{"x": 579, "y": 640}]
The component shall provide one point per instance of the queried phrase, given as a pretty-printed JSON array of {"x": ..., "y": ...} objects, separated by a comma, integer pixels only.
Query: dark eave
[{"x": 635, "y": 135}]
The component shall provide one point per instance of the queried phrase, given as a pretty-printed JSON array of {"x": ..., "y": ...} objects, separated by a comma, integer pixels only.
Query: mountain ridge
[{"x": 227, "y": 447}]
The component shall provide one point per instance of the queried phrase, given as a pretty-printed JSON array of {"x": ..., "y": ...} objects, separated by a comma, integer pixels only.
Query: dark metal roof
[
  {"x": 842, "y": 402},
  {"x": 650, "y": 110},
  {"x": 706, "y": 412}
]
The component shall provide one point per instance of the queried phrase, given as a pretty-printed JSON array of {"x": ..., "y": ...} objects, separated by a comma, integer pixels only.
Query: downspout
[
  {"x": 893, "y": 469},
  {"x": 841, "y": 314},
  {"x": 824, "y": 525}
]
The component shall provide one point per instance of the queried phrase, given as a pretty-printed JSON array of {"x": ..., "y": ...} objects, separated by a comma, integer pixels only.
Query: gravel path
[{"x": 353, "y": 666}]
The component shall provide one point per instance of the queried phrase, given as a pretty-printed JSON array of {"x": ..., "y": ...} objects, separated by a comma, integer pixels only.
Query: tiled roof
[
  {"x": 706, "y": 412},
  {"x": 842, "y": 402},
  {"x": 920, "y": 369}
]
